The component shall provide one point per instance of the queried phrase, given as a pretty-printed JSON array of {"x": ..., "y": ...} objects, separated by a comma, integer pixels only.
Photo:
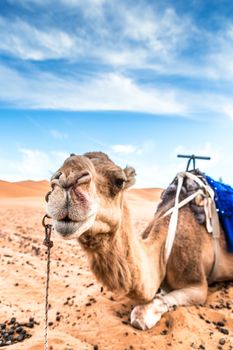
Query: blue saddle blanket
[{"x": 224, "y": 205}]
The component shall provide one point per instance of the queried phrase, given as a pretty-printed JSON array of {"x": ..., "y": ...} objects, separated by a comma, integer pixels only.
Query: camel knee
[
  {"x": 187, "y": 296},
  {"x": 146, "y": 316},
  {"x": 199, "y": 295}
]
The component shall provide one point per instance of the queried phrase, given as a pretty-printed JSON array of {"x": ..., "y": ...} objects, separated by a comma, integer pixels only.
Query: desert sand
[{"x": 84, "y": 315}]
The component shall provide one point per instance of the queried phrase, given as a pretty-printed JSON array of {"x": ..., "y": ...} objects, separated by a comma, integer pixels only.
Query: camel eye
[{"x": 119, "y": 182}]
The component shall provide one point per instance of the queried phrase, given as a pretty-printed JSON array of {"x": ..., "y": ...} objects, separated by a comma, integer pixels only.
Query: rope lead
[{"x": 49, "y": 244}]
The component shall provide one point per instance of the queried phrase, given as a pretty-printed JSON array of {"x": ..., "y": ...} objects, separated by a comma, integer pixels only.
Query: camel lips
[{"x": 66, "y": 219}]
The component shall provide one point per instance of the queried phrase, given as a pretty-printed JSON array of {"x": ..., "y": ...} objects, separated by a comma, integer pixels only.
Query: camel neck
[{"x": 126, "y": 263}]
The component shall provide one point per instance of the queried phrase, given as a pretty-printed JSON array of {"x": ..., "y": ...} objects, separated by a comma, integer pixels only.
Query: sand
[
  {"x": 23, "y": 188},
  {"x": 90, "y": 316}
]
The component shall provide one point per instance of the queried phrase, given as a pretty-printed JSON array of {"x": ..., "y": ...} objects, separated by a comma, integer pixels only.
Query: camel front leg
[{"x": 146, "y": 316}]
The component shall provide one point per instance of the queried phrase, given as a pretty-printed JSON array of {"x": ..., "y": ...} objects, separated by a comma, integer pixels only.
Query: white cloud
[
  {"x": 27, "y": 2},
  {"x": 58, "y": 157},
  {"x": 89, "y": 7},
  {"x": 228, "y": 110},
  {"x": 159, "y": 35},
  {"x": 31, "y": 164},
  {"x": 149, "y": 175},
  {"x": 143, "y": 41},
  {"x": 126, "y": 57},
  {"x": 214, "y": 64},
  {"x": 105, "y": 92},
  {"x": 20, "y": 39},
  {"x": 162, "y": 33},
  {"x": 71, "y": 3},
  {"x": 56, "y": 134},
  {"x": 219, "y": 57},
  {"x": 125, "y": 149},
  {"x": 108, "y": 91},
  {"x": 152, "y": 42}
]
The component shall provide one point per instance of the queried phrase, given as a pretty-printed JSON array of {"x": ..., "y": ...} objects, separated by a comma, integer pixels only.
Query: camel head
[{"x": 87, "y": 195}]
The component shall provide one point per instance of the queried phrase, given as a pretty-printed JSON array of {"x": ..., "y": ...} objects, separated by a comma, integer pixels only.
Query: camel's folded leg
[{"x": 146, "y": 316}]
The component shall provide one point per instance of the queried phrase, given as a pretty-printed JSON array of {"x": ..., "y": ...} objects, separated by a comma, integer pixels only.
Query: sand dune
[
  {"x": 90, "y": 317},
  {"x": 23, "y": 188}
]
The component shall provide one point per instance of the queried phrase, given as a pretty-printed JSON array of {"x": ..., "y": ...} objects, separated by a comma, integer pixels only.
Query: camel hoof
[
  {"x": 138, "y": 325},
  {"x": 142, "y": 317}
]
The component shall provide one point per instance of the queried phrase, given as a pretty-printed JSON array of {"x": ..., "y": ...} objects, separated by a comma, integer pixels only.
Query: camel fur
[{"x": 87, "y": 202}]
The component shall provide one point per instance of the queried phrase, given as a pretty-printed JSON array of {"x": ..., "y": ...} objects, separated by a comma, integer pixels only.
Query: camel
[{"x": 87, "y": 203}]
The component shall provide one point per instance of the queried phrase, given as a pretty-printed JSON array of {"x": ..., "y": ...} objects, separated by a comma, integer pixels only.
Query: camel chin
[{"x": 73, "y": 229}]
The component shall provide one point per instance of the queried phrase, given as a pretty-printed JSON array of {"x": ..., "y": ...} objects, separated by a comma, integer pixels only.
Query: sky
[{"x": 141, "y": 81}]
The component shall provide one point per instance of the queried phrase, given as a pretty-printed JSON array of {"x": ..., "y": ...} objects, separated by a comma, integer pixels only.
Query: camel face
[
  {"x": 86, "y": 192},
  {"x": 73, "y": 203}
]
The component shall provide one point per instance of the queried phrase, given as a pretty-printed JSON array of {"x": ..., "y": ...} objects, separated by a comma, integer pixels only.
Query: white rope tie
[
  {"x": 173, "y": 221},
  {"x": 184, "y": 202},
  {"x": 207, "y": 193}
]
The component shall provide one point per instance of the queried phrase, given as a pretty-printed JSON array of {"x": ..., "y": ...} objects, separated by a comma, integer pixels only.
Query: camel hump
[
  {"x": 223, "y": 198},
  {"x": 189, "y": 187}
]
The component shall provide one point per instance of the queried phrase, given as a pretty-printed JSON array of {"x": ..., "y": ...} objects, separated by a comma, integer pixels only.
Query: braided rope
[{"x": 48, "y": 243}]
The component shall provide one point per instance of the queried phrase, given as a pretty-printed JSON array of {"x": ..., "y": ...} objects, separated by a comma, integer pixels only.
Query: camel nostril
[
  {"x": 56, "y": 175},
  {"x": 47, "y": 196},
  {"x": 66, "y": 181}
]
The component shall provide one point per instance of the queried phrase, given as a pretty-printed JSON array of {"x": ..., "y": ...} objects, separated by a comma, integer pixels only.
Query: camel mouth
[
  {"x": 67, "y": 219},
  {"x": 70, "y": 229}
]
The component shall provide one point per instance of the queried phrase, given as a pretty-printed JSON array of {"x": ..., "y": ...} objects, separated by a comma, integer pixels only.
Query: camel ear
[{"x": 130, "y": 174}]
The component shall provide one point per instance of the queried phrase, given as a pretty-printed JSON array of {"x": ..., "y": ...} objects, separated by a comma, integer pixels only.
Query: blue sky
[{"x": 141, "y": 81}]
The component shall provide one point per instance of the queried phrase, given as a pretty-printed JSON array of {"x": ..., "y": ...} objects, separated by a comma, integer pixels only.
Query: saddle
[{"x": 223, "y": 197}]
